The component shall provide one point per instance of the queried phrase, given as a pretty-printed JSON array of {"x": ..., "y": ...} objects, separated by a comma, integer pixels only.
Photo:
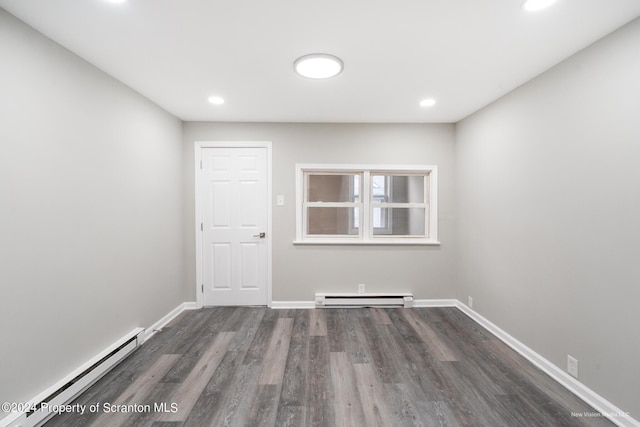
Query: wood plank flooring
[{"x": 252, "y": 366}]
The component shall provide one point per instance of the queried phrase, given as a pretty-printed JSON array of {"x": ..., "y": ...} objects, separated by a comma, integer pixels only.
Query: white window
[{"x": 366, "y": 204}]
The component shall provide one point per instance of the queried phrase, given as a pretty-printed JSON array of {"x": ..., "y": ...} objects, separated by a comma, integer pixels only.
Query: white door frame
[{"x": 199, "y": 145}]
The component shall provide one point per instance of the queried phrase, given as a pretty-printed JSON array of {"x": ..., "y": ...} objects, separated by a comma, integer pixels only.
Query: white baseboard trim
[
  {"x": 150, "y": 331},
  {"x": 418, "y": 303},
  {"x": 599, "y": 403},
  {"x": 280, "y": 305},
  {"x": 190, "y": 305}
]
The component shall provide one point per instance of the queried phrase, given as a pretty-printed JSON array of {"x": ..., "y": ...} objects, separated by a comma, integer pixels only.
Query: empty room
[{"x": 289, "y": 213}]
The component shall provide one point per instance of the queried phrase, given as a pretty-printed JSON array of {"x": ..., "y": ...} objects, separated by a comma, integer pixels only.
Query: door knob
[{"x": 261, "y": 235}]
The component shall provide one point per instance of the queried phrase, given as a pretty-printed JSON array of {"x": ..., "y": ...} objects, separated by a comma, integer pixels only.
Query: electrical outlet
[
  {"x": 470, "y": 302},
  {"x": 361, "y": 288},
  {"x": 572, "y": 366}
]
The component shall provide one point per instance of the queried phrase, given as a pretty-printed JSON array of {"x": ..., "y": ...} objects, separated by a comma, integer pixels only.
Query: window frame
[{"x": 366, "y": 234}]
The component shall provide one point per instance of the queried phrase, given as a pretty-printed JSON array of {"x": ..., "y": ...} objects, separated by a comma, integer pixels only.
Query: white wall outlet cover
[
  {"x": 361, "y": 288},
  {"x": 280, "y": 200}
]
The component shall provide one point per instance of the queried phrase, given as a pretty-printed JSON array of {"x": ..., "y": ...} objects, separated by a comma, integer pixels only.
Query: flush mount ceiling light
[
  {"x": 216, "y": 100},
  {"x": 116, "y": 1},
  {"x": 535, "y": 5},
  {"x": 318, "y": 66},
  {"x": 429, "y": 102}
]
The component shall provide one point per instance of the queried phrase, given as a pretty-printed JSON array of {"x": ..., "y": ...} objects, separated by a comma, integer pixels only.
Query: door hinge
[
  {"x": 200, "y": 164},
  {"x": 202, "y": 288},
  {"x": 201, "y": 227}
]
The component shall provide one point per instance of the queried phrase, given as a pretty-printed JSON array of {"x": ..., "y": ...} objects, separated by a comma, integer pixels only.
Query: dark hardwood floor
[{"x": 248, "y": 366}]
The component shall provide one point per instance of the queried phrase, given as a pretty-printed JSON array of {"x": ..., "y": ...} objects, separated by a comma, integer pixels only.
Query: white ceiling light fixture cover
[
  {"x": 534, "y": 5},
  {"x": 318, "y": 66},
  {"x": 216, "y": 100},
  {"x": 429, "y": 102}
]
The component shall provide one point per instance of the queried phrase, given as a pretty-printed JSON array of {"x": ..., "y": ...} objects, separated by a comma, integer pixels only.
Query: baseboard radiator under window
[
  {"x": 73, "y": 385},
  {"x": 329, "y": 300}
]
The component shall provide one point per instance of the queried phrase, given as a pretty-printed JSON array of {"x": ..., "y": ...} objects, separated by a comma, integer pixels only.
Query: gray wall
[
  {"x": 548, "y": 196},
  {"x": 90, "y": 216},
  {"x": 300, "y": 271}
]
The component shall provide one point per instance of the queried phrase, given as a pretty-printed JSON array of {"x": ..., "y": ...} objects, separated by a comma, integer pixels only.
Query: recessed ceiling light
[
  {"x": 216, "y": 100},
  {"x": 116, "y": 1},
  {"x": 429, "y": 102},
  {"x": 534, "y": 5},
  {"x": 318, "y": 66}
]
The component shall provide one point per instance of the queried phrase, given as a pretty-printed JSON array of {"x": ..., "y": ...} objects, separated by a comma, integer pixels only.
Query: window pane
[
  {"x": 379, "y": 218},
  {"x": 398, "y": 188},
  {"x": 402, "y": 222},
  {"x": 379, "y": 188},
  {"x": 334, "y": 221},
  {"x": 333, "y": 188}
]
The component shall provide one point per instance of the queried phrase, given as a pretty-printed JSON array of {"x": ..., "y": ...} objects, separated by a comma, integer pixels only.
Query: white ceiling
[{"x": 464, "y": 53}]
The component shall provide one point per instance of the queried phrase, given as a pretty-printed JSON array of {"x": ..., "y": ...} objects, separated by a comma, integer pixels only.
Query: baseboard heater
[
  {"x": 73, "y": 385},
  {"x": 328, "y": 300}
]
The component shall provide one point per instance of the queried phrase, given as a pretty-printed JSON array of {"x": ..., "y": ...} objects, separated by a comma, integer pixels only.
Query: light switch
[{"x": 280, "y": 200}]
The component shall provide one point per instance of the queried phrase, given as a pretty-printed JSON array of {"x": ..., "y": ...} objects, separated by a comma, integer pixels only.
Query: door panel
[
  {"x": 221, "y": 262},
  {"x": 234, "y": 183},
  {"x": 250, "y": 253}
]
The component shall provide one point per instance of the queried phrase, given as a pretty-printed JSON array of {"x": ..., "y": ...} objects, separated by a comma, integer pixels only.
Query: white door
[{"x": 234, "y": 225}]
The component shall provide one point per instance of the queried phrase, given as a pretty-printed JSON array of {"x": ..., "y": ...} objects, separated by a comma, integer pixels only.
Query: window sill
[{"x": 381, "y": 242}]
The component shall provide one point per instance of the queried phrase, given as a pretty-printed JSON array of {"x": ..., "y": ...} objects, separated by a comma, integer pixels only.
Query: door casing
[{"x": 199, "y": 145}]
